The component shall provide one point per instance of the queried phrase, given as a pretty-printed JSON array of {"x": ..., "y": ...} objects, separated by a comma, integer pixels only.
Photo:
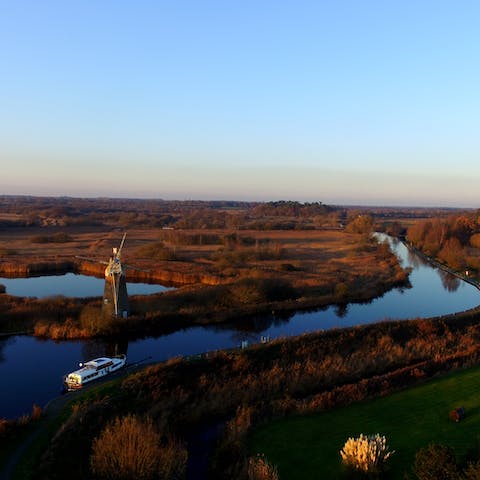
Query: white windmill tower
[{"x": 115, "y": 297}]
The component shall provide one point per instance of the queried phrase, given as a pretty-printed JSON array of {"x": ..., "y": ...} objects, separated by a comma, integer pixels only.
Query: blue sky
[{"x": 364, "y": 102}]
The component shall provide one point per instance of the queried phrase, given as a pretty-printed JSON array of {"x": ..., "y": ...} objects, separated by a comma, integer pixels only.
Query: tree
[
  {"x": 453, "y": 253},
  {"x": 360, "y": 224},
  {"x": 436, "y": 462},
  {"x": 130, "y": 448}
]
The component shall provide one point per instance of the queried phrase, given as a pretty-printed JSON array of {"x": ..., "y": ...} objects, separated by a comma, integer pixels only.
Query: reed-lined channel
[{"x": 31, "y": 369}]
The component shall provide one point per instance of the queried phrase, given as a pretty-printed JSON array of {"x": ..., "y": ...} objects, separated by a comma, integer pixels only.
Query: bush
[
  {"x": 340, "y": 292},
  {"x": 260, "y": 290},
  {"x": 157, "y": 251},
  {"x": 57, "y": 238},
  {"x": 259, "y": 468},
  {"x": 472, "y": 472},
  {"x": 436, "y": 462},
  {"x": 367, "y": 453},
  {"x": 130, "y": 448}
]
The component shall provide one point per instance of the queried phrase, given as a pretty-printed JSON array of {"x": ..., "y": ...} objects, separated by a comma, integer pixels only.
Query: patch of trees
[
  {"x": 360, "y": 224},
  {"x": 454, "y": 240},
  {"x": 284, "y": 208}
]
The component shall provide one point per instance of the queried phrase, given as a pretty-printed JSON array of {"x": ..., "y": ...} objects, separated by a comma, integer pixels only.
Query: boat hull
[{"x": 93, "y": 370}]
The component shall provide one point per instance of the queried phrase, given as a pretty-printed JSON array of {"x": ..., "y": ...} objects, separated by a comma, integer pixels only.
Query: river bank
[{"x": 442, "y": 266}]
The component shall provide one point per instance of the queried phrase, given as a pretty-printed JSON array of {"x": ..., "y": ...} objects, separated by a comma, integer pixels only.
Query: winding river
[{"x": 31, "y": 369}]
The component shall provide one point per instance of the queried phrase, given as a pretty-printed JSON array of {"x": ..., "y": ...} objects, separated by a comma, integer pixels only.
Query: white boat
[{"x": 92, "y": 370}]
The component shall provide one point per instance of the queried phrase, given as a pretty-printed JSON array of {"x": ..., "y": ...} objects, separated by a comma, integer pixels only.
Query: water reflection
[
  {"x": 4, "y": 342},
  {"x": 70, "y": 285},
  {"x": 415, "y": 261},
  {"x": 341, "y": 310},
  {"x": 107, "y": 347},
  {"x": 257, "y": 324},
  {"x": 450, "y": 282}
]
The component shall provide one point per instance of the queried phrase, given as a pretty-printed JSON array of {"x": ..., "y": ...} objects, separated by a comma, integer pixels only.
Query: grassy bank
[{"x": 307, "y": 447}]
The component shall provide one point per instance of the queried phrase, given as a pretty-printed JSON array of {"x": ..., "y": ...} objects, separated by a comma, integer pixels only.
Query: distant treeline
[
  {"x": 21, "y": 211},
  {"x": 291, "y": 209},
  {"x": 67, "y": 211}
]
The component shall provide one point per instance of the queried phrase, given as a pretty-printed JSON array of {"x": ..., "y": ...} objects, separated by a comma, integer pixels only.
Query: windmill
[{"x": 115, "y": 297}]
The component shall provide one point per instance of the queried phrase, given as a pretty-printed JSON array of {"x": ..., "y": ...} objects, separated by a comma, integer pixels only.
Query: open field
[
  {"x": 307, "y": 447},
  {"x": 306, "y": 257}
]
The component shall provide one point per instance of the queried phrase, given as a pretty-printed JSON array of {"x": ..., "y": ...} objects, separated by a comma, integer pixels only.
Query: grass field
[{"x": 308, "y": 447}]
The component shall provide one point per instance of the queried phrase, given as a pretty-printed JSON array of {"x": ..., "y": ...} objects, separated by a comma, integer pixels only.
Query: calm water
[
  {"x": 31, "y": 369},
  {"x": 69, "y": 285}
]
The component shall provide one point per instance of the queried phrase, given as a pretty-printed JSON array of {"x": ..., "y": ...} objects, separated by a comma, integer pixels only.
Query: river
[{"x": 31, "y": 369}]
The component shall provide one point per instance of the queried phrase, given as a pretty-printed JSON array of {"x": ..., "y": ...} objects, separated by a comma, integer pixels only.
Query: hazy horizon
[{"x": 346, "y": 103}]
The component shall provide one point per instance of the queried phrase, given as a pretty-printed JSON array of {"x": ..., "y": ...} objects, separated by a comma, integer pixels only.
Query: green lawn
[{"x": 307, "y": 447}]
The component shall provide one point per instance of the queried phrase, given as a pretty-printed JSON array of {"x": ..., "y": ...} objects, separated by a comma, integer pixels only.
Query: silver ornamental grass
[{"x": 366, "y": 453}]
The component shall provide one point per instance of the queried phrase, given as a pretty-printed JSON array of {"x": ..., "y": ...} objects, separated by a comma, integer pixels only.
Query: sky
[{"x": 343, "y": 101}]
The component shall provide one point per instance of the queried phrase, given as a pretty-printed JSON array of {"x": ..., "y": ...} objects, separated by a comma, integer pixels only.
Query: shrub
[
  {"x": 157, "y": 251},
  {"x": 259, "y": 468},
  {"x": 37, "y": 412},
  {"x": 360, "y": 224},
  {"x": 258, "y": 290},
  {"x": 57, "y": 238},
  {"x": 130, "y": 448},
  {"x": 436, "y": 462},
  {"x": 367, "y": 453},
  {"x": 341, "y": 291},
  {"x": 475, "y": 240},
  {"x": 472, "y": 472}
]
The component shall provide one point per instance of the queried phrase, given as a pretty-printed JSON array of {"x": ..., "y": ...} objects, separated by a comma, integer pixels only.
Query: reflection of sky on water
[
  {"x": 69, "y": 285},
  {"x": 31, "y": 369},
  {"x": 32, "y": 372}
]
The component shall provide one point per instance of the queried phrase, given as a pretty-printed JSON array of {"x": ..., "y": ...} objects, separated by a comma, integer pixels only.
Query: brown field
[{"x": 305, "y": 257}]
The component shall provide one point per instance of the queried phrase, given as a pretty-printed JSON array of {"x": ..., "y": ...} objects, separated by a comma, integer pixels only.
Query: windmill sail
[{"x": 115, "y": 297}]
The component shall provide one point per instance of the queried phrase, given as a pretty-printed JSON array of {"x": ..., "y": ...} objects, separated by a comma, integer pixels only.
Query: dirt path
[{"x": 52, "y": 410}]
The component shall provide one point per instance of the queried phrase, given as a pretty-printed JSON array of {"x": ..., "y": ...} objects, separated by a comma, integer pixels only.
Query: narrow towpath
[{"x": 442, "y": 266}]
